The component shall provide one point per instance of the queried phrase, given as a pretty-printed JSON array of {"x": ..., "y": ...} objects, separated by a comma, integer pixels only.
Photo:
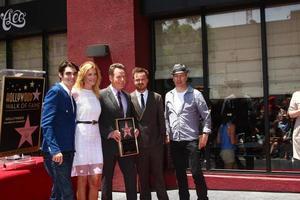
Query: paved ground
[{"x": 224, "y": 195}]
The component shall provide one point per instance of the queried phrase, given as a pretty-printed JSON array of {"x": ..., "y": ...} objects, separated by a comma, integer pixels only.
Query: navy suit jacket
[{"x": 58, "y": 121}]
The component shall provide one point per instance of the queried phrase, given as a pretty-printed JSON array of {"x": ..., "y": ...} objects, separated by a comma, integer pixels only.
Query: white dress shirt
[{"x": 70, "y": 94}]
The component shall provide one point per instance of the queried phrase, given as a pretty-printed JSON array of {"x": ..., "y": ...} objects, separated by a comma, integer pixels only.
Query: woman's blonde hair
[{"x": 84, "y": 68}]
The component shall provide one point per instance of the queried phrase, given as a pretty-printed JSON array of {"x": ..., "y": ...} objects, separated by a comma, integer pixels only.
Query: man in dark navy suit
[
  {"x": 115, "y": 103},
  {"x": 58, "y": 127}
]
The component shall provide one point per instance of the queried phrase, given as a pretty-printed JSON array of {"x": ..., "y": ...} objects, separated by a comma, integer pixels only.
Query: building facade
[
  {"x": 243, "y": 55},
  {"x": 33, "y": 35}
]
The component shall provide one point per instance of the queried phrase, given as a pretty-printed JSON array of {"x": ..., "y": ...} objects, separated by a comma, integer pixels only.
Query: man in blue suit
[{"x": 58, "y": 127}]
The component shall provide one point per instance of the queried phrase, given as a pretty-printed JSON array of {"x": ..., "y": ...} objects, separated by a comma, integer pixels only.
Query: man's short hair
[
  {"x": 140, "y": 70},
  {"x": 64, "y": 64},
  {"x": 113, "y": 66}
]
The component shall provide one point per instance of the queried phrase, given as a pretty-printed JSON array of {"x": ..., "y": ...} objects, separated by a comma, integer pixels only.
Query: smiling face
[
  {"x": 90, "y": 78},
  {"x": 140, "y": 81},
  {"x": 68, "y": 77},
  {"x": 118, "y": 78}
]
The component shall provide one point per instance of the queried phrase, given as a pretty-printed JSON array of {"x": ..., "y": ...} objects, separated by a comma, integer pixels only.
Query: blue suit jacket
[{"x": 58, "y": 121}]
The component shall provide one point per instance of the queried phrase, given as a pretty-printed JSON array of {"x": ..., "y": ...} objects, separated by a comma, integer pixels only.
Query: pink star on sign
[
  {"x": 36, "y": 95},
  {"x": 26, "y": 132},
  {"x": 127, "y": 130}
]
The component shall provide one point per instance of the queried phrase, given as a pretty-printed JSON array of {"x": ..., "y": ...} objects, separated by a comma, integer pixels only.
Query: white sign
[{"x": 13, "y": 18}]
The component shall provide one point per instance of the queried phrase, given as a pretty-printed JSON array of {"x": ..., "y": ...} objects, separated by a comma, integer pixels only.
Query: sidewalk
[{"x": 224, "y": 195}]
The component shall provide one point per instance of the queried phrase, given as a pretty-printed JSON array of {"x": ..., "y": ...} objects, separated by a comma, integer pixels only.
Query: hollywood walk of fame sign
[
  {"x": 21, "y": 105},
  {"x": 128, "y": 144}
]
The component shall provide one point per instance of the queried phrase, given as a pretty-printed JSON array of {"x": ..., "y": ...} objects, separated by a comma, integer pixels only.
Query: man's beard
[{"x": 140, "y": 87}]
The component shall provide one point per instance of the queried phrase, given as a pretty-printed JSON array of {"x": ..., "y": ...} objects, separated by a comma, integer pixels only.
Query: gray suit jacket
[
  {"x": 109, "y": 113},
  {"x": 150, "y": 122}
]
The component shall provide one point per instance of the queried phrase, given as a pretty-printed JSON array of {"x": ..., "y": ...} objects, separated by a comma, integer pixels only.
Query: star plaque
[{"x": 128, "y": 145}]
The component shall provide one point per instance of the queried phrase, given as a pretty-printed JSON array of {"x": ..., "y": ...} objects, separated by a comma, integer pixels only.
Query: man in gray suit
[
  {"x": 115, "y": 103},
  {"x": 148, "y": 111}
]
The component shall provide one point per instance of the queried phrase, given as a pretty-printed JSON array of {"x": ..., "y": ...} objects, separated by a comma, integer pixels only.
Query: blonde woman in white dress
[
  {"x": 294, "y": 112},
  {"x": 88, "y": 158}
]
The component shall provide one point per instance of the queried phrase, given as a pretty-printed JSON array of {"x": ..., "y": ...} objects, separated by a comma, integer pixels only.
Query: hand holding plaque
[{"x": 128, "y": 144}]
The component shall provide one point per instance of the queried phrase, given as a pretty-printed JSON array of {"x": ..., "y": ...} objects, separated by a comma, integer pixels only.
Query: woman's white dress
[
  {"x": 88, "y": 158},
  {"x": 295, "y": 105}
]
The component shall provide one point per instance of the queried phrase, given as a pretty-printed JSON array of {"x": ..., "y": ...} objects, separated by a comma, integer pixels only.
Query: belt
[{"x": 93, "y": 122}]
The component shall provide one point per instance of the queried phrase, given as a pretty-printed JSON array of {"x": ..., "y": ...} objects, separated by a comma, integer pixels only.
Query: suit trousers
[
  {"x": 150, "y": 164},
  {"x": 128, "y": 169},
  {"x": 185, "y": 153}
]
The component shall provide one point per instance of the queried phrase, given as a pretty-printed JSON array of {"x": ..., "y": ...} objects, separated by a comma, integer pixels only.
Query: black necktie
[
  {"x": 120, "y": 102},
  {"x": 142, "y": 101}
]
